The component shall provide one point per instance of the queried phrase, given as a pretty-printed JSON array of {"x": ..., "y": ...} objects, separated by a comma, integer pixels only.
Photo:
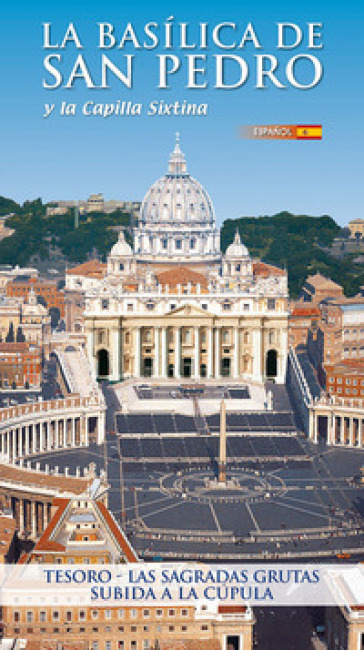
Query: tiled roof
[
  {"x": 40, "y": 479},
  {"x": 320, "y": 282},
  {"x": 121, "y": 539},
  {"x": 265, "y": 270},
  {"x": 90, "y": 269},
  {"x": 305, "y": 309},
  {"x": 190, "y": 644},
  {"x": 181, "y": 275}
]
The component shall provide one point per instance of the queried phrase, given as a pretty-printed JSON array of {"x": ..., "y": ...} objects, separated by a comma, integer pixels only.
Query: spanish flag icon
[{"x": 309, "y": 132}]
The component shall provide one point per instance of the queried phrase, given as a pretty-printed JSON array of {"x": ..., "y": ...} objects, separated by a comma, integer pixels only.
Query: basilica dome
[{"x": 177, "y": 197}]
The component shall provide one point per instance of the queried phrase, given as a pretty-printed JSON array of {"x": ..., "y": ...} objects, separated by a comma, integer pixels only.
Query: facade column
[
  {"x": 56, "y": 433},
  {"x": 210, "y": 352},
  {"x": 196, "y": 372},
  {"x": 115, "y": 347},
  {"x": 156, "y": 365},
  {"x": 64, "y": 432},
  {"x": 164, "y": 360},
  {"x": 282, "y": 357},
  {"x": 360, "y": 432},
  {"x": 137, "y": 352},
  {"x": 217, "y": 353},
  {"x": 236, "y": 354},
  {"x": 90, "y": 352},
  {"x": 177, "y": 352},
  {"x": 257, "y": 354}
]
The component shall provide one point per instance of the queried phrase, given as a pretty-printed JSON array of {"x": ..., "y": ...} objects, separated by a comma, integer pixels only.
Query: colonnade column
[
  {"x": 177, "y": 352},
  {"x": 210, "y": 353},
  {"x": 156, "y": 369},
  {"x": 236, "y": 353},
  {"x": 49, "y": 435},
  {"x": 34, "y": 438},
  {"x": 164, "y": 369},
  {"x": 41, "y": 437},
  {"x": 33, "y": 518},
  {"x": 21, "y": 516},
  {"x": 13, "y": 433},
  {"x": 330, "y": 429},
  {"x": 45, "y": 515},
  {"x": 342, "y": 430},
  {"x": 73, "y": 438},
  {"x": 217, "y": 352},
  {"x": 311, "y": 423},
  {"x": 196, "y": 372},
  {"x": 351, "y": 432},
  {"x": 137, "y": 352}
]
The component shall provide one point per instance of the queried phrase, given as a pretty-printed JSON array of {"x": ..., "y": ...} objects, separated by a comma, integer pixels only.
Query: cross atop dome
[{"x": 177, "y": 163}]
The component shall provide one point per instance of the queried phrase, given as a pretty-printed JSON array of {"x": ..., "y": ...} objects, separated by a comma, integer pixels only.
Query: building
[
  {"x": 20, "y": 365},
  {"x": 338, "y": 335},
  {"x": 317, "y": 288},
  {"x": 346, "y": 380},
  {"x": 86, "y": 276},
  {"x": 9, "y": 273},
  {"x": 356, "y": 227},
  {"x": 94, "y": 203},
  {"x": 79, "y": 280},
  {"x": 301, "y": 318},
  {"x": 47, "y": 289},
  {"x": 82, "y": 530},
  {"x": 173, "y": 306},
  {"x": 346, "y": 314},
  {"x": 29, "y": 318}
]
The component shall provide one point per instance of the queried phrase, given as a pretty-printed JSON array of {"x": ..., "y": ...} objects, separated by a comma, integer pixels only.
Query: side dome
[
  {"x": 236, "y": 250},
  {"x": 177, "y": 197},
  {"x": 121, "y": 248}
]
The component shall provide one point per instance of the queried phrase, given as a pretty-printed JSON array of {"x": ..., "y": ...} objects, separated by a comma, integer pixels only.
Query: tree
[
  {"x": 345, "y": 233},
  {"x": 55, "y": 315},
  {"x": 20, "y": 338},
  {"x": 10, "y": 337},
  {"x": 42, "y": 301}
]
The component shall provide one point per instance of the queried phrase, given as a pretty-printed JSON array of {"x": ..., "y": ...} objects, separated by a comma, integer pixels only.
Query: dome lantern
[{"x": 177, "y": 162}]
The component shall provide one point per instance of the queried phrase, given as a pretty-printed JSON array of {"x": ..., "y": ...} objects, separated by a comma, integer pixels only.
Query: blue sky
[{"x": 71, "y": 157}]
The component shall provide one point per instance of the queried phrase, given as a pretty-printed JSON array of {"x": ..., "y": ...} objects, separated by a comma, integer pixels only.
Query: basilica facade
[{"x": 174, "y": 306}]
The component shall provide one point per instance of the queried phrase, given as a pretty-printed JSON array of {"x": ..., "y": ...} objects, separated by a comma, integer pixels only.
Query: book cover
[{"x": 181, "y": 326}]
